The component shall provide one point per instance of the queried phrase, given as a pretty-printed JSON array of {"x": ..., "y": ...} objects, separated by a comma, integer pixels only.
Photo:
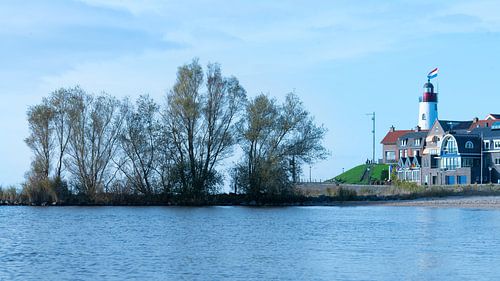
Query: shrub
[
  {"x": 346, "y": 194},
  {"x": 10, "y": 194}
]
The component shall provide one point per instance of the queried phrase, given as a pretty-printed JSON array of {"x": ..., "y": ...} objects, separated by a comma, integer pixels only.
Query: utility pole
[{"x": 373, "y": 133}]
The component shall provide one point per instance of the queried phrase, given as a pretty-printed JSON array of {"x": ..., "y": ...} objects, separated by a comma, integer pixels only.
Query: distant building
[{"x": 445, "y": 152}]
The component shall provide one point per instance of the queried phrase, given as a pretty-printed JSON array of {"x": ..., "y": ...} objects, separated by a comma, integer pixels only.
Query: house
[
  {"x": 410, "y": 147},
  {"x": 390, "y": 152},
  {"x": 490, "y": 137}
]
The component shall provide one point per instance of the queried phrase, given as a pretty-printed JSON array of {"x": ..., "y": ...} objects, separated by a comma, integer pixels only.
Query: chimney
[
  {"x": 417, "y": 129},
  {"x": 475, "y": 120},
  {"x": 392, "y": 129}
]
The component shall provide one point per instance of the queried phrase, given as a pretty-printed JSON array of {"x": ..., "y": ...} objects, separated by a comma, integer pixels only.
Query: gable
[{"x": 492, "y": 116}]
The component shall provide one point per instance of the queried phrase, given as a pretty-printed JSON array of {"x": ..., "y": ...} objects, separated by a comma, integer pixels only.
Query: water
[{"x": 238, "y": 243}]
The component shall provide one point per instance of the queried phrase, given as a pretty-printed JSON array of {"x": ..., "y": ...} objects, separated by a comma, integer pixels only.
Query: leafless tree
[
  {"x": 60, "y": 101},
  {"x": 140, "y": 144},
  {"x": 40, "y": 139},
  {"x": 201, "y": 123},
  {"x": 96, "y": 124}
]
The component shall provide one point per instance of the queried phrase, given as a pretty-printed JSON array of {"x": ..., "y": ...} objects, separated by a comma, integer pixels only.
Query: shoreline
[{"x": 473, "y": 201}]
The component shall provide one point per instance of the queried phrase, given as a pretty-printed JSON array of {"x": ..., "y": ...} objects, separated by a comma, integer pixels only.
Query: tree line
[{"x": 96, "y": 148}]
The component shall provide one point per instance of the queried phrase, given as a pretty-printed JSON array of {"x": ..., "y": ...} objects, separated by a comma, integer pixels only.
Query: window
[
  {"x": 467, "y": 162},
  {"x": 449, "y": 180},
  {"x": 404, "y": 142},
  {"x": 496, "y": 144},
  {"x": 417, "y": 142},
  {"x": 497, "y": 161},
  {"x": 469, "y": 145},
  {"x": 486, "y": 144},
  {"x": 390, "y": 156},
  {"x": 462, "y": 179},
  {"x": 450, "y": 146},
  {"x": 450, "y": 163},
  {"x": 423, "y": 117}
]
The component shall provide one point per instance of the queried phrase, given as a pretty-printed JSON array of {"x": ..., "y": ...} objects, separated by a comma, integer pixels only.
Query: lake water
[{"x": 240, "y": 243}]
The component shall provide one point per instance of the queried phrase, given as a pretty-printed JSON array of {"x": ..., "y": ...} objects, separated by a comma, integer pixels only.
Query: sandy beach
[{"x": 481, "y": 202}]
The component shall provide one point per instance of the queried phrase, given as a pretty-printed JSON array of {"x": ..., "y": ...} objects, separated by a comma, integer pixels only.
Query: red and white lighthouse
[{"x": 428, "y": 110}]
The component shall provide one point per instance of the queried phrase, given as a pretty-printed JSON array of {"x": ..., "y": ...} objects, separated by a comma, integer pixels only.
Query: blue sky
[{"x": 343, "y": 58}]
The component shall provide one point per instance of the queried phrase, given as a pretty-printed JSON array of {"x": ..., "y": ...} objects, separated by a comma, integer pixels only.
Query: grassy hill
[{"x": 360, "y": 174}]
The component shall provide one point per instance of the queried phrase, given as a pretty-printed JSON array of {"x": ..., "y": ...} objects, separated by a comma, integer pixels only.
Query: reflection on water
[{"x": 238, "y": 243}]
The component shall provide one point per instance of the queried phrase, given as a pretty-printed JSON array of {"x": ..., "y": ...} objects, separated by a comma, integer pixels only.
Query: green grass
[
  {"x": 380, "y": 172},
  {"x": 354, "y": 175}
]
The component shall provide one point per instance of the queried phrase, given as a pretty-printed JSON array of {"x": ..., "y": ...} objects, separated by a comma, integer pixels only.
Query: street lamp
[{"x": 490, "y": 168}]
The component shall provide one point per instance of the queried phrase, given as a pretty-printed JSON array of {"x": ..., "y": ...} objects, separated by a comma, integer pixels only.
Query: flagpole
[{"x": 437, "y": 84}]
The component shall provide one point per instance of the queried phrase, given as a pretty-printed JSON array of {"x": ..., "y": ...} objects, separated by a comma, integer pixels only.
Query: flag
[{"x": 433, "y": 73}]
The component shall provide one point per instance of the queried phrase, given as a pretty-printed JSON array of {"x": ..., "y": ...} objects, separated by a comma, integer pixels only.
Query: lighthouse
[{"x": 428, "y": 109}]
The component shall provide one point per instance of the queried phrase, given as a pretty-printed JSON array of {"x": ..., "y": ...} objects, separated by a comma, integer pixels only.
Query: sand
[{"x": 480, "y": 202}]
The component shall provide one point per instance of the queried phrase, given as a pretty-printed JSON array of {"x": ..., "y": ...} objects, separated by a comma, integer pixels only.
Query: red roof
[
  {"x": 482, "y": 124},
  {"x": 392, "y": 137}
]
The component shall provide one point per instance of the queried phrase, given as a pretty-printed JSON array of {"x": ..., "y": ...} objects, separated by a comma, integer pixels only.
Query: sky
[{"x": 344, "y": 59}]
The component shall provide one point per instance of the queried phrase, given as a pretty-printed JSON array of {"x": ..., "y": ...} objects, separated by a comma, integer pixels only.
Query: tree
[
  {"x": 202, "y": 125},
  {"x": 140, "y": 144},
  {"x": 276, "y": 140},
  {"x": 60, "y": 101},
  {"x": 96, "y": 124},
  {"x": 40, "y": 140}
]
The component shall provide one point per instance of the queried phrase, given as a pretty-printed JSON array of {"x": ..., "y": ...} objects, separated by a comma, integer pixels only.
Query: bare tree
[
  {"x": 96, "y": 124},
  {"x": 40, "y": 139},
  {"x": 202, "y": 124},
  {"x": 140, "y": 144},
  {"x": 60, "y": 102}
]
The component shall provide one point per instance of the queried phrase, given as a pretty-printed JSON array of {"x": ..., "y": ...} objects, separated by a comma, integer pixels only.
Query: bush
[
  {"x": 410, "y": 187},
  {"x": 39, "y": 191},
  {"x": 346, "y": 194},
  {"x": 10, "y": 194}
]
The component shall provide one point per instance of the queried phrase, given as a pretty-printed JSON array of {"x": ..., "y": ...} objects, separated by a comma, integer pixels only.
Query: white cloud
[{"x": 134, "y": 7}]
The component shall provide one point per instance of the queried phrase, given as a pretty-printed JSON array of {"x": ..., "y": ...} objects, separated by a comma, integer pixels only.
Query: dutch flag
[{"x": 433, "y": 73}]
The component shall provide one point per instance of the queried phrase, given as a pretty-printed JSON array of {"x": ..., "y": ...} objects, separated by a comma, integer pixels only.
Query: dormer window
[
  {"x": 469, "y": 145},
  {"x": 496, "y": 144},
  {"x": 404, "y": 142},
  {"x": 417, "y": 142},
  {"x": 486, "y": 144}
]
